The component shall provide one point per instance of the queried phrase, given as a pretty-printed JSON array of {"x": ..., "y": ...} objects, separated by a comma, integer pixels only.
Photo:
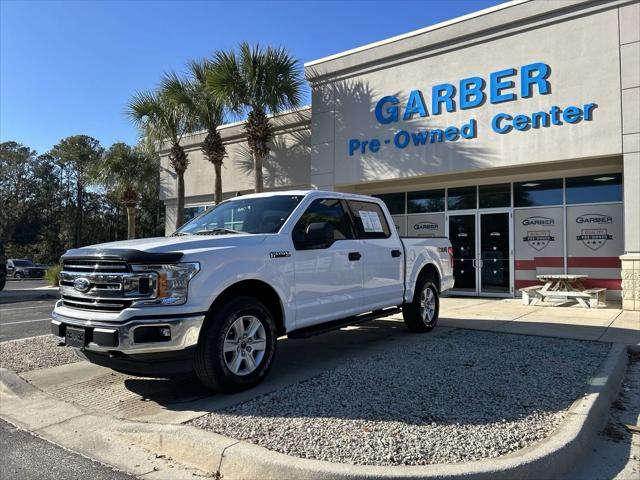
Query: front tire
[
  {"x": 17, "y": 275},
  {"x": 421, "y": 315},
  {"x": 237, "y": 346}
]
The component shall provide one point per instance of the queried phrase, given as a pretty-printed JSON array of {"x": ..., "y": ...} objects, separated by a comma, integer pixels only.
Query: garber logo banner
[
  {"x": 594, "y": 238},
  {"x": 467, "y": 94},
  {"x": 538, "y": 221},
  {"x": 538, "y": 239},
  {"x": 421, "y": 226}
]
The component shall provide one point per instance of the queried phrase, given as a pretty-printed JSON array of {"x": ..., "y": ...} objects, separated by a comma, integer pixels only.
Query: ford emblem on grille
[{"x": 81, "y": 284}]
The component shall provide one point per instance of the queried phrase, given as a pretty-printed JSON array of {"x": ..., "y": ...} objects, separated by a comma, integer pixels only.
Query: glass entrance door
[
  {"x": 462, "y": 234},
  {"x": 481, "y": 253},
  {"x": 495, "y": 259}
]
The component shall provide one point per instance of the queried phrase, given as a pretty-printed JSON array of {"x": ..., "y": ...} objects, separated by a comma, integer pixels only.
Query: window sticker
[{"x": 370, "y": 221}]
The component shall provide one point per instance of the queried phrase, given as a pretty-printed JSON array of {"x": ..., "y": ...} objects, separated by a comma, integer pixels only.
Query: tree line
[{"x": 76, "y": 194}]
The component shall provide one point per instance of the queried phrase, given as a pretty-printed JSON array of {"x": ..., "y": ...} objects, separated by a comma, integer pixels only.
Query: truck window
[
  {"x": 369, "y": 219},
  {"x": 325, "y": 210},
  {"x": 246, "y": 215}
]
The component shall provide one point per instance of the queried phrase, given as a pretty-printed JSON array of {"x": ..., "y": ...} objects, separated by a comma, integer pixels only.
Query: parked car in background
[
  {"x": 215, "y": 295},
  {"x": 23, "y": 268},
  {"x": 3, "y": 267}
]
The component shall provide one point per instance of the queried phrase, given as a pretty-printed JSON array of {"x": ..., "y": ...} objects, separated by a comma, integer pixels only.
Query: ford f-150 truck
[{"x": 214, "y": 296}]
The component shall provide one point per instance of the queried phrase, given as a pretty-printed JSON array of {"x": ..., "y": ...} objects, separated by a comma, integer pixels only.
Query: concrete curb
[
  {"x": 233, "y": 459},
  {"x": 15, "y": 296}
]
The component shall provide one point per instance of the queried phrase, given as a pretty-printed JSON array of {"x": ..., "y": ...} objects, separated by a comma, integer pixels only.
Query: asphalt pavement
[
  {"x": 24, "y": 456},
  {"x": 24, "y": 312},
  {"x": 25, "y": 308}
]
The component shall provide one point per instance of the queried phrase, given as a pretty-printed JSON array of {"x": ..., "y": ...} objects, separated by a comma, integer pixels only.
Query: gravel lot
[
  {"x": 34, "y": 353},
  {"x": 454, "y": 397}
]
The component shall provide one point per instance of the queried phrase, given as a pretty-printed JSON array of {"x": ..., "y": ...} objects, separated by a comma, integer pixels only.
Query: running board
[{"x": 344, "y": 322}]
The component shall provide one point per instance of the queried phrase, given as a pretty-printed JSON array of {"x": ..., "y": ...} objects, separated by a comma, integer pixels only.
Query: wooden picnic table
[
  {"x": 562, "y": 283},
  {"x": 564, "y": 287}
]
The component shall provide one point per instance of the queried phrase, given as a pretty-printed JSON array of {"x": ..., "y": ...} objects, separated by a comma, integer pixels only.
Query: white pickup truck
[{"x": 214, "y": 296}]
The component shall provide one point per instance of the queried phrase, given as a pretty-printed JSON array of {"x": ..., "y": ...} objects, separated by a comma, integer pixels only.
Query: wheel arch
[
  {"x": 259, "y": 290},
  {"x": 430, "y": 270}
]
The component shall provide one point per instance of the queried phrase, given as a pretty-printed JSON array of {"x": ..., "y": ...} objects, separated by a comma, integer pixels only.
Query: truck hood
[{"x": 165, "y": 248}]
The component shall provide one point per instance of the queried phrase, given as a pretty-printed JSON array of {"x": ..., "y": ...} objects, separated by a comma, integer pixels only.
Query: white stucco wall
[{"x": 582, "y": 51}]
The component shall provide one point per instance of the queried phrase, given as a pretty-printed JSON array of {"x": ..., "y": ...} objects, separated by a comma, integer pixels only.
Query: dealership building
[{"x": 514, "y": 131}]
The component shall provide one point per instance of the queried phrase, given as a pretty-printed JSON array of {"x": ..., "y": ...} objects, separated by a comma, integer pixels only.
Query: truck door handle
[
  {"x": 395, "y": 253},
  {"x": 355, "y": 256}
]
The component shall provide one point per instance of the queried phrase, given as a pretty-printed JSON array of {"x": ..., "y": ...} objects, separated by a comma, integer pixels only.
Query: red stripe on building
[
  {"x": 539, "y": 262},
  {"x": 526, "y": 283},
  {"x": 594, "y": 262},
  {"x": 608, "y": 283}
]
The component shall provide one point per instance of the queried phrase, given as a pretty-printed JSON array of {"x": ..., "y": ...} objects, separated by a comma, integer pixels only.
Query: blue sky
[{"x": 70, "y": 67}]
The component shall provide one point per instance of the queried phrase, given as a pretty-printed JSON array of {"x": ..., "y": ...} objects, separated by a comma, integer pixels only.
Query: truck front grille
[
  {"x": 92, "y": 266},
  {"x": 104, "y": 285}
]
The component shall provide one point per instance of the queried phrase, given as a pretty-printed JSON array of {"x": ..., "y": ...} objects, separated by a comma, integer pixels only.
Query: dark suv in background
[{"x": 23, "y": 268}]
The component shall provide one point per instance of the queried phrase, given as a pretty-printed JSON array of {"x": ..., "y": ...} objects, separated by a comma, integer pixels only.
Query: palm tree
[
  {"x": 257, "y": 81},
  {"x": 207, "y": 111},
  {"x": 126, "y": 172},
  {"x": 161, "y": 120}
]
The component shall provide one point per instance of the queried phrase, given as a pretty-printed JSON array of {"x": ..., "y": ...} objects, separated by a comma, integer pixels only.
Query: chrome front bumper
[{"x": 119, "y": 337}]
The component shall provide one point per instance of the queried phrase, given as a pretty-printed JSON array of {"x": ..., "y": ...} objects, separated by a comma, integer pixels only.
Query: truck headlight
[{"x": 173, "y": 282}]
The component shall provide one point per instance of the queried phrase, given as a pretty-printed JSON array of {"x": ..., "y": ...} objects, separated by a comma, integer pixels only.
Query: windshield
[
  {"x": 251, "y": 215},
  {"x": 23, "y": 263}
]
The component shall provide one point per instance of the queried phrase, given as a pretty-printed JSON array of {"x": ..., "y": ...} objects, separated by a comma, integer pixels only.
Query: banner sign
[
  {"x": 538, "y": 232},
  {"x": 467, "y": 94},
  {"x": 595, "y": 230}
]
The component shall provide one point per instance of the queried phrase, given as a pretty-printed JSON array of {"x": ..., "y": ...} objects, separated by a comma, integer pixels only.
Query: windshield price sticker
[{"x": 370, "y": 221}]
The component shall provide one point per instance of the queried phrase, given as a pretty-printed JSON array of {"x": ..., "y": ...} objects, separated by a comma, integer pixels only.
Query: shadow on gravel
[
  {"x": 296, "y": 360},
  {"x": 380, "y": 372}
]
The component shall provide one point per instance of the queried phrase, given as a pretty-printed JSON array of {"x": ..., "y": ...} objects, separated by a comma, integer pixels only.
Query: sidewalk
[{"x": 608, "y": 324}]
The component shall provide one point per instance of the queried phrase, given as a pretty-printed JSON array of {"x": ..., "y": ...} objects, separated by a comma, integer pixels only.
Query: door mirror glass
[{"x": 318, "y": 235}]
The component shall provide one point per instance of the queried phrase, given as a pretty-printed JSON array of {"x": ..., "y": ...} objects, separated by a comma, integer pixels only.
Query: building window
[
  {"x": 536, "y": 193},
  {"x": 426, "y": 201},
  {"x": 393, "y": 201},
  {"x": 595, "y": 188},
  {"x": 462, "y": 198},
  {"x": 495, "y": 196},
  {"x": 192, "y": 212}
]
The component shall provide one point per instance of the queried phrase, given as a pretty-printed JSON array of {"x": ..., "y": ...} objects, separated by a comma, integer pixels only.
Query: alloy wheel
[
  {"x": 427, "y": 305},
  {"x": 245, "y": 343}
]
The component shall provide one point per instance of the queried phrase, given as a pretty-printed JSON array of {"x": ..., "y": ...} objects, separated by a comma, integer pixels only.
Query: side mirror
[{"x": 319, "y": 235}]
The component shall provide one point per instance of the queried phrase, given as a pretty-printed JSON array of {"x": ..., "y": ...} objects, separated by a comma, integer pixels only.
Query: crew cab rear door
[
  {"x": 382, "y": 255},
  {"x": 328, "y": 277}
]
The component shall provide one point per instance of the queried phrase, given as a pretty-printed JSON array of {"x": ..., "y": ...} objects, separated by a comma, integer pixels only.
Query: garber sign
[{"x": 467, "y": 94}]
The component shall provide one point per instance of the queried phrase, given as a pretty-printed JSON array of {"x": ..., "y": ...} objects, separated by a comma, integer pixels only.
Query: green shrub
[{"x": 52, "y": 275}]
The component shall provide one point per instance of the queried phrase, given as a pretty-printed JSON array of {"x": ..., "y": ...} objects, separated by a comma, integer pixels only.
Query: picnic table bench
[{"x": 564, "y": 287}]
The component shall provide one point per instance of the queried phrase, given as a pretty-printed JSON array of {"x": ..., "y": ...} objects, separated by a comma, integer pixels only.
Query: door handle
[
  {"x": 354, "y": 256},
  {"x": 395, "y": 253}
]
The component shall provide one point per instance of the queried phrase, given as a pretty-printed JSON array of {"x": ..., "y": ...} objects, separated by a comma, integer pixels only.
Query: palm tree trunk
[
  {"x": 131, "y": 222},
  {"x": 218, "y": 183},
  {"x": 257, "y": 167},
  {"x": 77, "y": 238},
  {"x": 180, "y": 212}
]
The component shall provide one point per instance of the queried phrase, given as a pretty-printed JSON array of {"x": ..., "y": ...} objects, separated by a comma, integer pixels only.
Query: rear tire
[
  {"x": 237, "y": 346},
  {"x": 421, "y": 315}
]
